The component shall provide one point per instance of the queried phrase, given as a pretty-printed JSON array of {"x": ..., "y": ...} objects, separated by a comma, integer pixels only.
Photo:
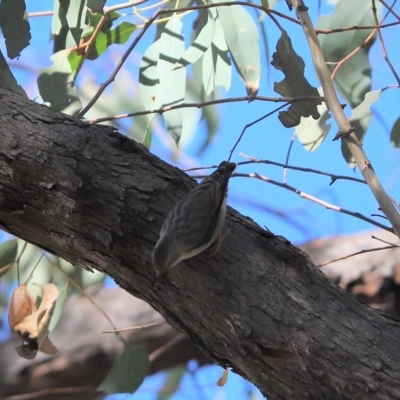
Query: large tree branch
[{"x": 259, "y": 306}]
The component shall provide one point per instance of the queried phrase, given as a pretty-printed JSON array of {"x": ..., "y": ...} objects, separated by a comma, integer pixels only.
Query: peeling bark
[{"x": 98, "y": 199}]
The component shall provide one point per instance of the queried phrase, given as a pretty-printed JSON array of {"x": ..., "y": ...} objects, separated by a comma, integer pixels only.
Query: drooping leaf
[
  {"x": 8, "y": 252},
  {"x": 312, "y": 132},
  {"x": 30, "y": 324},
  {"x": 75, "y": 14},
  {"x": 216, "y": 66},
  {"x": 127, "y": 372},
  {"x": 353, "y": 79},
  {"x": 295, "y": 83},
  {"x": 172, "y": 382},
  {"x": 360, "y": 120},
  {"x": 149, "y": 84},
  {"x": 241, "y": 37},
  {"x": 56, "y": 85},
  {"x": 395, "y": 134},
  {"x": 96, "y": 5},
  {"x": 172, "y": 81},
  {"x": 201, "y": 43},
  {"x": 15, "y": 26}
]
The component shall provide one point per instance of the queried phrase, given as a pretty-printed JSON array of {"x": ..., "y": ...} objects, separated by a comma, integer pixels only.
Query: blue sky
[{"x": 283, "y": 212}]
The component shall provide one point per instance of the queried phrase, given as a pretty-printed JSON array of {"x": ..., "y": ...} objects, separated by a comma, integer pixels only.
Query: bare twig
[
  {"x": 162, "y": 110},
  {"x": 133, "y": 328},
  {"x": 316, "y": 200},
  {"x": 288, "y": 156},
  {"x": 334, "y": 177},
  {"x": 253, "y": 123},
  {"x": 382, "y": 43},
  {"x": 356, "y": 254}
]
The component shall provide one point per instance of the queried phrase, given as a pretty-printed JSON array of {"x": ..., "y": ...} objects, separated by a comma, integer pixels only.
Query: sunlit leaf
[
  {"x": 149, "y": 84},
  {"x": 353, "y": 79},
  {"x": 241, "y": 36},
  {"x": 200, "y": 45},
  {"x": 127, "y": 372},
  {"x": 360, "y": 120},
  {"x": 312, "y": 132},
  {"x": 15, "y": 26},
  {"x": 172, "y": 81},
  {"x": 295, "y": 83},
  {"x": 395, "y": 134},
  {"x": 75, "y": 14}
]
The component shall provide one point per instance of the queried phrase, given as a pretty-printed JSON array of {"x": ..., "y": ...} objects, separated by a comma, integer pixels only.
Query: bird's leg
[{"x": 218, "y": 243}]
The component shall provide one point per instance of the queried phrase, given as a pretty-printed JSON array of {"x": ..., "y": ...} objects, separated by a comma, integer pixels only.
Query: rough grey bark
[{"x": 259, "y": 306}]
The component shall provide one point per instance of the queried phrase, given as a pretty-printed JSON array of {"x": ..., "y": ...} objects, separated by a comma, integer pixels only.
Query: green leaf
[
  {"x": 56, "y": 87},
  {"x": 353, "y": 79},
  {"x": 172, "y": 382},
  {"x": 96, "y": 5},
  {"x": 147, "y": 136},
  {"x": 104, "y": 39},
  {"x": 7, "y": 79},
  {"x": 295, "y": 83},
  {"x": 15, "y": 26},
  {"x": 360, "y": 120},
  {"x": 75, "y": 14},
  {"x": 241, "y": 36},
  {"x": 149, "y": 84},
  {"x": 127, "y": 372},
  {"x": 200, "y": 44},
  {"x": 395, "y": 134},
  {"x": 312, "y": 132},
  {"x": 8, "y": 252},
  {"x": 172, "y": 81}
]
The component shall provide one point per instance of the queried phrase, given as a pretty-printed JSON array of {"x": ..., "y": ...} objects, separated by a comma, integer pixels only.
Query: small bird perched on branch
[{"x": 195, "y": 222}]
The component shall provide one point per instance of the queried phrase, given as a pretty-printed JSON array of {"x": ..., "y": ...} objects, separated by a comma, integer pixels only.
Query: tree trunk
[{"x": 98, "y": 199}]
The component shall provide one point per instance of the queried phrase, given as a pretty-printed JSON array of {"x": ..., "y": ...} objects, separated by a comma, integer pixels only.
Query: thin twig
[
  {"x": 382, "y": 43},
  {"x": 303, "y": 169},
  {"x": 356, "y": 254},
  {"x": 133, "y": 328},
  {"x": 251, "y": 124},
  {"x": 161, "y": 350},
  {"x": 288, "y": 156},
  {"x": 316, "y": 200},
  {"x": 207, "y": 103}
]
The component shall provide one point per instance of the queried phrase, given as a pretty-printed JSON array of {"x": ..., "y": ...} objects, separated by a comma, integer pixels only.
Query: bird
[{"x": 195, "y": 222}]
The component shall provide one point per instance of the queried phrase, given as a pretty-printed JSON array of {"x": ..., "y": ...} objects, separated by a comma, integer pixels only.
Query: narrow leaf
[
  {"x": 172, "y": 382},
  {"x": 200, "y": 45},
  {"x": 395, "y": 134},
  {"x": 360, "y": 120},
  {"x": 15, "y": 26},
  {"x": 353, "y": 79},
  {"x": 172, "y": 81},
  {"x": 149, "y": 84},
  {"x": 8, "y": 252},
  {"x": 242, "y": 39},
  {"x": 127, "y": 372}
]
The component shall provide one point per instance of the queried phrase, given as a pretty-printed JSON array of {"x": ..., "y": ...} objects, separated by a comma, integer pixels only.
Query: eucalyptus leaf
[
  {"x": 15, "y": 26},
  {"x": 241, "y": 36},
  {"x": 8, "y": 252},
  {"x": 395, "y": 134},
  {"x": 127, "y": 372},
  {"x": 172, "y": 81},
  {"x": 353, "y": 79},
  {"x": 360, "y": 120},
  {"x": 7, "y": 79}
]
